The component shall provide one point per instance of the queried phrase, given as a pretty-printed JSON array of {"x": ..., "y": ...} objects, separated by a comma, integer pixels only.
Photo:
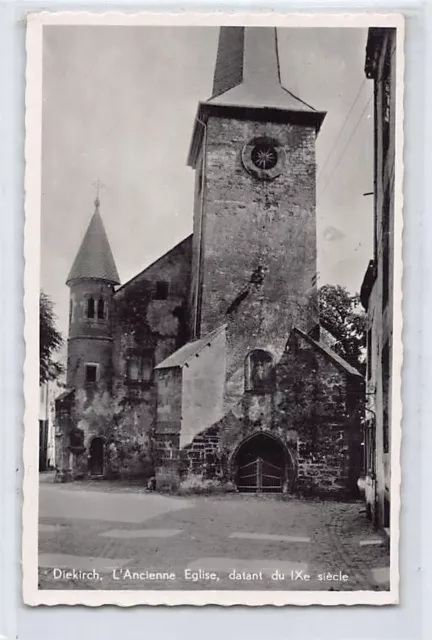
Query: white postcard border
[{"x": 33, "y": 152}]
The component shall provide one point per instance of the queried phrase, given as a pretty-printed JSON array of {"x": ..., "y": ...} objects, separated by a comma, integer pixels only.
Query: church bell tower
[
  {"x": 253, "y": 151},
  {"x": 91, "y": 282}
]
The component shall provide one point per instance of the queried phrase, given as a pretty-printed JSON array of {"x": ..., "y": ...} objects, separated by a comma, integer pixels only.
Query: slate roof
[
  {"x": 94, "y": 259},
  {"x": 247, "y": 71},
  {"x": 340, "y": 362},
  {"x": 182, "y": 356},
  {"x": 183, "y": 245}
]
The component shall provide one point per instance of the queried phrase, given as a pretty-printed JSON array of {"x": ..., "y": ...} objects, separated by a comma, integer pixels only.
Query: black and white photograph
[{"x": 213, "y": 309}]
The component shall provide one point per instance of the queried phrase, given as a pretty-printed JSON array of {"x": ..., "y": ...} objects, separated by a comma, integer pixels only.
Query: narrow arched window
[
  {"x": 140, "y": 366},
  {"x": 90, "y": 308},
  {"x": 101, "y": 309},
  {"x": 259, "y": 374},
  {"x": 134, "y": 368}
]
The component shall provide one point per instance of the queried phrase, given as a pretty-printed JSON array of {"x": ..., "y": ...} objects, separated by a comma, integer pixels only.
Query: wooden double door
[
  {"x": 260, "y": 476},
  {"x": 261, "y": 465}
]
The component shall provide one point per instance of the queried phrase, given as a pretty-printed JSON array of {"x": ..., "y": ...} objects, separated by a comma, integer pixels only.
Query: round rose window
[{"x": 264, "y": 156}]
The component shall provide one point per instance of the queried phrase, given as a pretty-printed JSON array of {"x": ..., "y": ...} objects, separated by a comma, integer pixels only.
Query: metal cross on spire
[{"x": 98, "y": 184}]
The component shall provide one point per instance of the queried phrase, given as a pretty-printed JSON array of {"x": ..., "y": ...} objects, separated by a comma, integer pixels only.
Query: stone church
[{"x": 211, "y": 362}]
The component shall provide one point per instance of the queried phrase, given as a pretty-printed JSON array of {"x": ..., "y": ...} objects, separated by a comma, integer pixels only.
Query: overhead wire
[
  {"x": 354, "y": 131},
  {"x": 341, "y": 130},
  {"x": 339, "y": 160}
]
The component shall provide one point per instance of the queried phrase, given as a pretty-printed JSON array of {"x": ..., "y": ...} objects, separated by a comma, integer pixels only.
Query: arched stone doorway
[
  {"x": 96, "y": 457},
  {"x": 261, "y": 464}
]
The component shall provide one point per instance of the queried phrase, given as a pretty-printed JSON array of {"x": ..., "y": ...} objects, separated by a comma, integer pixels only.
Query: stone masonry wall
[
  {"x": 212, "y": 452},
  {"x": 251, "y": 224},
  {"x": 89, "y": 343},
  {"x": 150, "y": 323},
  {"x": 166, "y": 443},
  {"x": 314, "y": 412},
  {"x": 324, "y": 404}
]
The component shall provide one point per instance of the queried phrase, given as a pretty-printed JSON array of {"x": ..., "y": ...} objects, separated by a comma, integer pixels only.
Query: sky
[{"x": 119, "y": 105}]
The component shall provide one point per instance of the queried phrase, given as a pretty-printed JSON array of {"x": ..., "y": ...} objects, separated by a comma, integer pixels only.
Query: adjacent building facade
[
  {"x": 209, "y": 362},
  {"x": 47, "y": 394},
  {"x": 377, "y": 288}
]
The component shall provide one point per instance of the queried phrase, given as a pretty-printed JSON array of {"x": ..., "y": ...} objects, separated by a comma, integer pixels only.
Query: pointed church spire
[
  {"x": 247, "y": 71},
  {"x": 94, "y": 259}
]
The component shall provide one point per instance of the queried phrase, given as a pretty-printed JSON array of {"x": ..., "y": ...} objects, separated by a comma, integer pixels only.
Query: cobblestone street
[{"x": 127, "y": 537}]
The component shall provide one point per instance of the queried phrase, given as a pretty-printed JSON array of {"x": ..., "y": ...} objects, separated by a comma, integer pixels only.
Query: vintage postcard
[{"x": 213, "y": 309}]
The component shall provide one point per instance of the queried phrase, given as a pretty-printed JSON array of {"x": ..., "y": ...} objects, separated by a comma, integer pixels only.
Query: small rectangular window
[
  {"x": 90, "y": 308},
  {"x": 91, "y": 372},
  {"x": 147, "y": 366},
  {"x": 101, "y": 309},
  {"x": 161, "y": 292}
]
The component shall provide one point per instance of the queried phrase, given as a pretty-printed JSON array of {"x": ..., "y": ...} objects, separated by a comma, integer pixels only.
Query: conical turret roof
[{"x": 94, "y": 259}]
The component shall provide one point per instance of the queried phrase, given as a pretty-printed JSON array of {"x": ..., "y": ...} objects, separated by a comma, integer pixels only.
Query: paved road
[{"x": 128, "y": 539}]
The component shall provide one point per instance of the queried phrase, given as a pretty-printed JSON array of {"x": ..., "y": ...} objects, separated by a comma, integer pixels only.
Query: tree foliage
[
  {"x": 50, "y": 340},
  {"x": 342, "y": 315}
]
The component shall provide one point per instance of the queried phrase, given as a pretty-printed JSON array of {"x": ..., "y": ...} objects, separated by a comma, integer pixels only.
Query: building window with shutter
[
  {"x": 385, "y": 375},
  {"x": 385, "y": 231},
  {"x": 140, "y": 367}
]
